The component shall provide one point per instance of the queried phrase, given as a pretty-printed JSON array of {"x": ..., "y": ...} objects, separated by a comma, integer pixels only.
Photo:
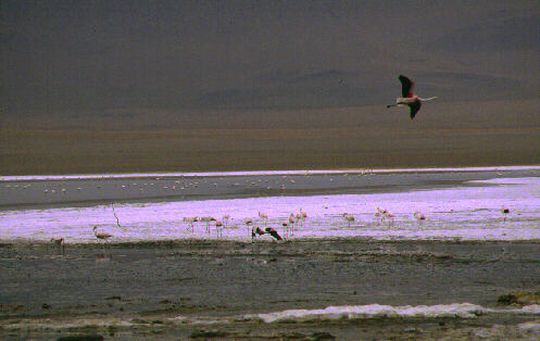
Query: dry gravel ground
[
  {"x": 445, "y": 134},
  {"x": 132, "y": 290}
]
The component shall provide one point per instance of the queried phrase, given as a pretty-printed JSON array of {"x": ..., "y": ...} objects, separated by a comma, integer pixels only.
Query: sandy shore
[
  {"x": 44, "y": 191},
  {"x": 204, "y": 288}
]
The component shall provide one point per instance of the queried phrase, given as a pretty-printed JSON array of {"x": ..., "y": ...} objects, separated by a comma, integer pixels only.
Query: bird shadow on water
[
  {"x": 104, "y": 254},
  {"x": 103, "y": 257},
  {"x": 57, "y": 246}
]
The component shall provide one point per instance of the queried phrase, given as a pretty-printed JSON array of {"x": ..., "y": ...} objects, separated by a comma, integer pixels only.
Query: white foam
[
  {"x": 530, "y": 326},
  {"x": 460, "y": 310},
  {"x": 454, "y": 310},
  {"x": 198, "y": 320},
  {"x": 263, "y": 172}
]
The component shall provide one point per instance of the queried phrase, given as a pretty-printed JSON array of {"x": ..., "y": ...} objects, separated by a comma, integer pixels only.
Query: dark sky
[{"x": 90, "y": 56}]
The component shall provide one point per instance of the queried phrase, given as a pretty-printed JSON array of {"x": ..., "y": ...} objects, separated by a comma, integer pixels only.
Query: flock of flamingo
[
  {"x": 258, "y": 228},
  {"x": 255, "y": 227}
]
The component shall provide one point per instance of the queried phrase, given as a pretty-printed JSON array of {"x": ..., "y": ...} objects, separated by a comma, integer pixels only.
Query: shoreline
[
  {"x": 198, "y": 242},
  {"x": 453, "y": 206},
  {"x": 184, "y": 242},
  {"x": 307, "y": 172}
]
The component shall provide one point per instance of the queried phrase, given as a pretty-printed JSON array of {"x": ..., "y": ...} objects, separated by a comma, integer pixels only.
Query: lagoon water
[{"x": 457, "y": 203}]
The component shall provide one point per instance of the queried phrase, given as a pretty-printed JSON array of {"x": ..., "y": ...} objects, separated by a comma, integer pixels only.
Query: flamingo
[
  {"x": 219, "y": 228},
  {"x": 191, "y": 221},
  {"x": 263, "y": 216},
  {"x": 379, "y": 214},
  {"x": 298, "y": 217},
  {"x": 349, "y": 218},
  {"x": 286, "y": 228},
  {"x": 249, "y": 223},
  {"x": 225, "y": 219},
  {"x": 101, "y": 235},
  {"x": 505, "y": 211},
  {"x": 207, "y": 220},
  {"x": 301, "y": 216},
  {"x": 419, "y": 216},
  {"x": 292, "y": 222},
  {"x": 382, "y": 214},
  {"x": 257, "y": 231},
  {"x": 273, "y": 233},
  {"x": 409, "y": 98}
]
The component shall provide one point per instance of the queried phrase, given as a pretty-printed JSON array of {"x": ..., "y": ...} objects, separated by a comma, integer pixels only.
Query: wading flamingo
[
  {"x": 419, "y": 216},
  {"x": 100, "y": 235},
  {"x": 505, "y": 212},
  {"x": 273, "y": 233},
  {"x": 225, "y": 219},
  {"x": 219, "y": 228},
  {"x": 349, "y": 218},
  {"x": 409, "y": 98},
  {"x": 292, "y": 222},
  {"x": 264, "y": 217},
  {"x": 207, "y": 220},
  {"x": 190, "y": 221},
  {"x": 257, "y": 231},
  {"x": 286, "y": 228}
]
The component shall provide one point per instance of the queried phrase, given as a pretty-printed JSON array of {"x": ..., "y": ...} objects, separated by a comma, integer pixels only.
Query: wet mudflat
[
  {"x": 45, "y": 192},
  {"x": 212, "y": 288}
]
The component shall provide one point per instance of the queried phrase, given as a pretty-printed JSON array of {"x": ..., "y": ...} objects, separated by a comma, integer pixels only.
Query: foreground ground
[{"x": 206, "y": 288}]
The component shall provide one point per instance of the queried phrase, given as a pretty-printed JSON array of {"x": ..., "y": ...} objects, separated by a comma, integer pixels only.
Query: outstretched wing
[
  {"x": 415, "y": 107},
  {"x": 407, "y": 86},
  {"x": 273, "y": 233}
]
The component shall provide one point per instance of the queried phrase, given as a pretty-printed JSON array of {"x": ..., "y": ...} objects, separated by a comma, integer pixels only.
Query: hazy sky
[{"x": 88, "y": 56}]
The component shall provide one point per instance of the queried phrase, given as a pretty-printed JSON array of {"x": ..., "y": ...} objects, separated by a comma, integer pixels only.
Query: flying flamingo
[{"x": 409, "y": 98}]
